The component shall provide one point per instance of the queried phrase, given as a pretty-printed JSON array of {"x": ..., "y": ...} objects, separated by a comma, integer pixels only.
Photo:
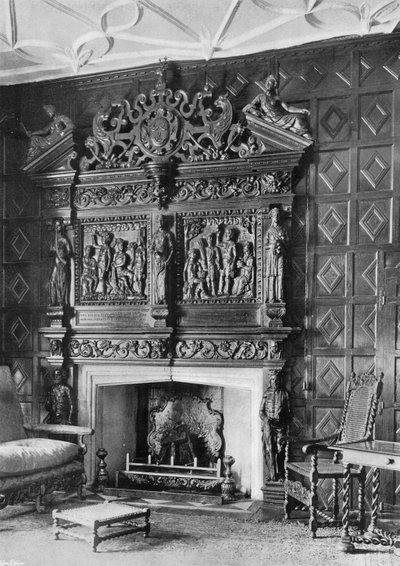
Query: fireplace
[{"x": 111, "y": 397}]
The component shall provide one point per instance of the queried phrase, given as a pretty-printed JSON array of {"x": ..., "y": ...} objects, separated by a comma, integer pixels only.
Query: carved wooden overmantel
[{"x": 179, "y": 220}]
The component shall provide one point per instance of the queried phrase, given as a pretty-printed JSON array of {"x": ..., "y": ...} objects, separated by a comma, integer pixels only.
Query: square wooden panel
[
  {"x": 334, "y": 120},
  {"x": 326, "y": 420},
  {"x": 330, "y": 278},
  {"x": 20, "y": 286},
  {"x": 20, "y": 243},
  {"x": 22, "y": 199},
  {"x": 22, "y": 373},
  {"x": 18, "y": 331},
  {"x": 365, "y": 274},
  {"x": 379, "y": 66},
  {"x": 329, "y": 372},
  {"x": 376, "y": 115},
  {"x": 333, "y": 172},
  {"x": 364, "y": 326},
  {"x": 332, "y": 223},
  {"x": 329, "y": 327},
  {"x": 375, "y": 168},
  {"x": 374, "y": 221}
]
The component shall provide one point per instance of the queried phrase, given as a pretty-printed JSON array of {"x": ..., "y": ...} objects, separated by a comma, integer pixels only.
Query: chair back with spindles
[{"x": 360, "y": 408}]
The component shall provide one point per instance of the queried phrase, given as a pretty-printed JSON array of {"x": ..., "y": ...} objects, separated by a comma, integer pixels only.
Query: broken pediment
[{"x": 275, "y": 138}]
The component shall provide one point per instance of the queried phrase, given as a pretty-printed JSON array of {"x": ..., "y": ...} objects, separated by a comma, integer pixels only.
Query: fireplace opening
[{"x": 161, "y": 432}]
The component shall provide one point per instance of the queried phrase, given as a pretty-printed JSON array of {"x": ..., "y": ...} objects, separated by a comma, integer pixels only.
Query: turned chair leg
[
  {"x": 287, "y": 507},
  {"x": 313, "y": 522},
  {"x": 361, "y": 499},
  {"x": 335, "y": 495}
]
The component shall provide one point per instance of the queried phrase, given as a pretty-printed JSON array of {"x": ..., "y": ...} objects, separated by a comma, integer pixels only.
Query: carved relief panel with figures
[
  {"x": 111, "y": 260},
  {"x": 219, "y": 260}
]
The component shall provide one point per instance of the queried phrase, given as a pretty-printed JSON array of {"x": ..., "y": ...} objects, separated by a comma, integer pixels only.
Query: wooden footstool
[{"x": 101, "y": 515}]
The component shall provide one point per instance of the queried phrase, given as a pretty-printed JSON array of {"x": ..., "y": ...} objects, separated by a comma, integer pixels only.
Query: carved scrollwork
[
  {"x": 118, "y": 349},
  {"x": 162, "y": 126},
  {"x": 115, "y": 195},
  {"x": 157, "y": 482},
  {"x": 225, "y": 349},
  {"x": 226, "y": 188}
]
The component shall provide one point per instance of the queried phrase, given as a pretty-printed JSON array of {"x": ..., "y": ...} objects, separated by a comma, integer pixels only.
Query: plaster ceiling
[{"x": 48, "y": 39}]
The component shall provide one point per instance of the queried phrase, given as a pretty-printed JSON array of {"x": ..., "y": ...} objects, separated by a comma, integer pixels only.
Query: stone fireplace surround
[{"x": 243, "y": 389}]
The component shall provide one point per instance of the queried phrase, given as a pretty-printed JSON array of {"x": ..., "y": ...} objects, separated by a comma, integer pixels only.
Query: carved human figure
[
  {"x": 244, "y": 282},
  {"x": 228, "y": 262},
  {"x": 194, "y": 277},
  {"x": 60, "y": 399},
  {"x": 275, "y": 414},
  {"x": 275, "y": 240},
  {"x": 104, "y": 259},
  {"x": 272, "y": 109},
  {"x": 274, "y": 350},
  {"x": 89, "y": 277},
  {"x": 60, "y": 276},
  {"x": 139, "y": 268},
  {"x": 162, "y": 248},
  {"x": 124, "y": 275},
  {"x": 46, "y": 136},
  {"x": 213, "y": 265}
]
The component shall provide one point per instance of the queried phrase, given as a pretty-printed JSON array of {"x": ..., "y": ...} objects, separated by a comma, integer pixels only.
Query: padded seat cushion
[
  {"x": 29, "y": 455},
  {"x": 325, "y": 468}
]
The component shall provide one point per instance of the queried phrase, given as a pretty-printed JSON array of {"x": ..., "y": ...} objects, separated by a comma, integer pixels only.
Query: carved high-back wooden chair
[{"x": 357, "y": 424}]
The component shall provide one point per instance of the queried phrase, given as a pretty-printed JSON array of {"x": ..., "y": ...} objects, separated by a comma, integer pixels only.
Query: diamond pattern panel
[
  {"x": 313, "y": 75},
  {"x": 329, "y": 377},
  {"x": 374, "y": 222},
  {"x": 297, "y": 277},
  {"x": 330, "y": 276},
  {"x": 374, "y": 169},
  {"x": 392, "y": 66},
  {"x": 366, "y": 68},
  {"x": 21, "y": 370},
  {"x": 332, "y": 223},
  {"x": 376, "y": 115},
  {"x": 326, "y": 421},
  {"x": 366, "y": 266},
  {"x": 333, "y": 172},
  {"x": 364, "y": 326},
  {"x": 330, "y": 327},
  {"x": 334, "y": 122},
  {"x": 18, "y": 332},
  {"x": 20, "y": 242},
  {"x": 19, "y": 200}
]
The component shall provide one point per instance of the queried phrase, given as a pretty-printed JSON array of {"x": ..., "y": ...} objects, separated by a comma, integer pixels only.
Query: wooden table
[
  {"x": 101, "y": 515},
  {"x": 377, "y": 454}
]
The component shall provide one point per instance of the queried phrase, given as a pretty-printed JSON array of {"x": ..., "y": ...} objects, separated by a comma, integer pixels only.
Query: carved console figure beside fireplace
[{"x": 171, "y": 232}]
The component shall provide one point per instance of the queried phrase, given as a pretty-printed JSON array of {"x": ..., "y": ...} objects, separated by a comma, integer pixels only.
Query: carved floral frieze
[
  {"x": 115, "y": 195},
  {"x": 226, "y": 188},
  {"x": 118, "y": 349},
  {"x": 112, "y": 260},
  {"x": 224, "y": 349}
]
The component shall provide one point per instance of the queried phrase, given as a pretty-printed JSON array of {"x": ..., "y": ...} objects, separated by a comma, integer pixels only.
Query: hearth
[{"x": 183, "y": 418}]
